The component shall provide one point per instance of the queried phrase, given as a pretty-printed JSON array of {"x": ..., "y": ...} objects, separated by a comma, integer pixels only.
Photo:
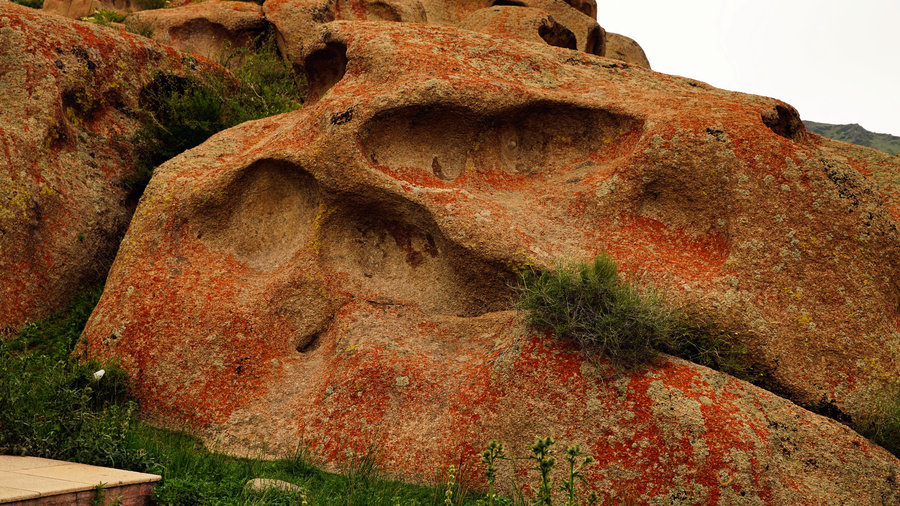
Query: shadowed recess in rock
[
  {"x": 594, "y": 43},
  {"x": 558, "y": 35},
  {"x": 324, "y": 68},
  {"x": 396, "y": 255},
  {"x": 447, "y": 141}
]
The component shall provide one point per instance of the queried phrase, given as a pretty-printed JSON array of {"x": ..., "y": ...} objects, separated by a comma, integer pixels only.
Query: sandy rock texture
[
  {"x": 340, "y": 274},
  {"x": 68, "y": 90},
  {"x": 213, "y": 29},
  {"x": 626, "y": 49}
]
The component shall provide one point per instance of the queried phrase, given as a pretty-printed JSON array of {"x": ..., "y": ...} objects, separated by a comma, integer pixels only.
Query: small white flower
[{"x": 99, "y": 374}]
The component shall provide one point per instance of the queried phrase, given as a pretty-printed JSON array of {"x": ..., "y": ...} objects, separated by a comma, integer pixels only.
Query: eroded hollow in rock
[
  {"x": 784, "y": 121},
  {"x": 557, "y": 35},
  {"x": 263, "y": 216},
  {"x": 595, "y": 43},
  {"x": 446, "y": 141},
  {"x": 324, "y": 68},
  {"x": 395, "y": 254}
]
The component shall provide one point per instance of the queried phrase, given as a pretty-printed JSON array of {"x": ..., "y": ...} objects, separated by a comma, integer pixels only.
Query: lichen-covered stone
[
  {"x": 555, "y": 22},
  {"x": 278, "y": 281},
  {"x": 69, "y": 91}
]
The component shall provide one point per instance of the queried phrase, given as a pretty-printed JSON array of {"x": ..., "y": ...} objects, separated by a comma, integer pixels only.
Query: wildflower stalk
[
  {"x": 451, "y": 482},
  {"x": 493, "y": 453},
  {"x": 544, "y": 462}
]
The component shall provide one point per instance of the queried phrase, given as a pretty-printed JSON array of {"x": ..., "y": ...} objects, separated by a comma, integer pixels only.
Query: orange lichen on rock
[
  {"x": 342, "y": 273},
  {"x": 66, "y": 118}
]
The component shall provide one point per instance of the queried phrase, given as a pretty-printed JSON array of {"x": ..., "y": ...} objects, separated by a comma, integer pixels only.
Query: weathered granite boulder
[
  {"x": 340, "y": 274},
  {"x": 67, "y": 94},
  {"x": 213, "y": 29},
  {"x": 76, "y": 9},
  {"x": 626, "y": 49}
]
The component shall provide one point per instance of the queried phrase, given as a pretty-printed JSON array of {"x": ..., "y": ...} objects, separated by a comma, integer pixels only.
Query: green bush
[
  {"x": 182, "y": 112},
  {"x": 588, "y": 304},
  {"x": 34, "y": 4},
  {"x": 51, "y": 405},
  {"x": 104, "y": 17}
]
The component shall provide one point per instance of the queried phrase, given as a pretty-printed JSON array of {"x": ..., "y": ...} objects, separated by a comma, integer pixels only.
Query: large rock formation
[
  {"x": 68, "y": 91},
  {"x": 339, "y": 274}
]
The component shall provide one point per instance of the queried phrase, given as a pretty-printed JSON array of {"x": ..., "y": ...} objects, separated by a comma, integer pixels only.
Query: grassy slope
[{"x": 856, "y": 134}]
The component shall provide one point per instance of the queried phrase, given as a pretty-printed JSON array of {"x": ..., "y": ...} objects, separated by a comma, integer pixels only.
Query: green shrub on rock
[
  {"x": 182, "y": 112},
  {"x": 588, "y": 304}
]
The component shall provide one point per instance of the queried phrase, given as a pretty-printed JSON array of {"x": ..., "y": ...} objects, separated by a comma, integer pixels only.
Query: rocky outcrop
[
  {"x": 341, "y": 273},
  {"x": 76, "y": 9},
  {"x": 553, "y": 22},
  {"x": 66, "y": 117},
  {"x": 626, "y": 49},
  {"x": 212, "y": 29}
]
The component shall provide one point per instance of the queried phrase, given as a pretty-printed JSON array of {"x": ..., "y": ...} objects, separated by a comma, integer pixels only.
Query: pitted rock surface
[
  {"x": 67, "y": 90},
  {"x": 213, "y": 29},
  {"x": 278, "y": 281}
]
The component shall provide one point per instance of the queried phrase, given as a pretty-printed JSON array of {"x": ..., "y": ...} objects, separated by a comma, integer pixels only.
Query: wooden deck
[{"x": 36, "y": 481}]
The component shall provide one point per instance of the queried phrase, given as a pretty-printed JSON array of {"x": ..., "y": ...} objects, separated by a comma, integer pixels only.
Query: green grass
[
  {"x": 587, "y": 303},
  {"x": 181, "y": 112},
  {"x": 51, "y": 405},
  {"x": 193, "y": 475}
]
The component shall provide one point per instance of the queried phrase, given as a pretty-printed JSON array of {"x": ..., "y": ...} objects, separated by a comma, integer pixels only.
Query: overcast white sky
[{"x": 835, "y": 61}]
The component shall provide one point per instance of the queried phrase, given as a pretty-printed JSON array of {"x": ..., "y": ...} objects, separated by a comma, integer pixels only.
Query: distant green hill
[{"x": 856, "y": 134}]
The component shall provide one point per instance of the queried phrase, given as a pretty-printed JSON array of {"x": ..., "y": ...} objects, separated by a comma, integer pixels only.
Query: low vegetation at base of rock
[
  {"x": 182, "y": 112},
  {"x": 588, "y": 304},
  {"x": 52, "y": 405}
]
